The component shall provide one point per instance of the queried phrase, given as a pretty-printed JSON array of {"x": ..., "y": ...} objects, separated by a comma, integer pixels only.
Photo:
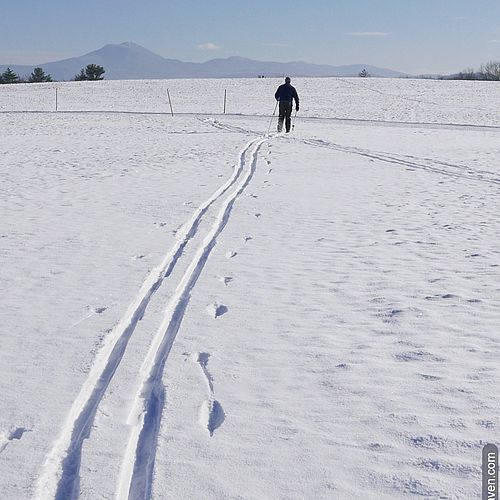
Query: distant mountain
[{"x": 129, "y": 61}]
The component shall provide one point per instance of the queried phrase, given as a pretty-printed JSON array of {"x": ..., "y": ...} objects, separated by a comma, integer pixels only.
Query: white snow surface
[{"x": 193, "y": 308}]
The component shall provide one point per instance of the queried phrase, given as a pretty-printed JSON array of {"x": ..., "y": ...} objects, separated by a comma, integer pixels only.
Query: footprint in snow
[
  {"x": 15, "y": 434},
  {"x": 247, "y": 238},
  {"x": 217, "y": 310},
  {"x": 231, "y": 254},
  {"x": 226, "y": 280},
  {"x": 211, "y": 415},
  {"x": 202, "y": 359}
]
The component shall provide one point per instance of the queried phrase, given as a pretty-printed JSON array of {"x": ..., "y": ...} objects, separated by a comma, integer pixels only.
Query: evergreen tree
[
  {"x": 94, "y": 72},
  {"x": 8, "y": 76},
  {"x": 91, "y": 72},
  {"x": 39, "y": 76},
  {"x": 81, "y": 76}
]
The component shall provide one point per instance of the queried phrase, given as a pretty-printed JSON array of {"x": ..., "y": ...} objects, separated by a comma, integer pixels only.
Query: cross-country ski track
[
  {"x": 196, "y": 309},
  {"x": 61, "y": 472},
  {"x": 61, "y": 475}
]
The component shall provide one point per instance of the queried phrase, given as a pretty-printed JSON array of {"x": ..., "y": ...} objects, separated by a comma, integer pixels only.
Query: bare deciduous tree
[{"x": 491, "y": 70}]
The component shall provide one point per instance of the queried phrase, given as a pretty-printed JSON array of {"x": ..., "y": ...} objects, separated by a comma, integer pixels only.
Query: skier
[{"x": 285, "y": 95}]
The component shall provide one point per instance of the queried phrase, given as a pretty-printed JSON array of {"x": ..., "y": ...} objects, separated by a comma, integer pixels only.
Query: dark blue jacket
[{"x": 286, "y": 92}]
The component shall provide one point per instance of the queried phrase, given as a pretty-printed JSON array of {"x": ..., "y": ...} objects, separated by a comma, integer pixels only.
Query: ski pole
[
  {"x": 271, "y": 120},
  {"x": 294, "y": 116}
]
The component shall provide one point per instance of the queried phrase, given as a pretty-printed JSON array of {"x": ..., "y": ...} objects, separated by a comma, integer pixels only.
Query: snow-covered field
[{"x": 194, "y": 309}]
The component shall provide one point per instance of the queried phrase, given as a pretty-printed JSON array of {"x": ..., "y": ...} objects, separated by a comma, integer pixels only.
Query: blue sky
[{"x": 414, "y": 36}]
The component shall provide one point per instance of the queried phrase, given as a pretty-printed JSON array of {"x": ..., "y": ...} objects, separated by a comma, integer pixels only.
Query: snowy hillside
[{"x": 193, "y": 308}]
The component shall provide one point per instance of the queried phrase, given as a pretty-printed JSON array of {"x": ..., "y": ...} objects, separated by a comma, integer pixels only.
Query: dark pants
[{"x": 285, "y": 115}]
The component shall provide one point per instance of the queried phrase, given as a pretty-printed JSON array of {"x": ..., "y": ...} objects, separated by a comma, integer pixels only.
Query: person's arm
[
  {"x": 296, "y": 97},
  {"x": 277, "y": 94}
]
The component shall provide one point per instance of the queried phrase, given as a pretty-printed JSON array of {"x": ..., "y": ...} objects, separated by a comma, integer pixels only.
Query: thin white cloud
[
  {"x": 209, "y": 46},
  {"x": 494, "y": 41},
  {"x": 368, "y": 33}
]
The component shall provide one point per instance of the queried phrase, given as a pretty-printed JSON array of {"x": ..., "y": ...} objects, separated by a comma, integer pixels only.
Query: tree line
[
  {"x": 90, "y": 72},
  {"x": 487, "y": 72}
]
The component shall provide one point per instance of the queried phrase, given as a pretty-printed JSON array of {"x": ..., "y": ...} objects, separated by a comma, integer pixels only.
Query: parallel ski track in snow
[
  {"x": 429, "y": 164},
  {"x": 415, "y": 162},
  {"x": 137, "y": 469},
  {"x": 61, "y": 472},
  {"x": 60, "y": 477}
]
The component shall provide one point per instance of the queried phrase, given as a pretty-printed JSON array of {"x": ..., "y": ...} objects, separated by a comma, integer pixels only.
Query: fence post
[
  {"x": 170, "y": 102},
  {"x": 56, "y": 98},
  {"x": 225, "y": 95}
]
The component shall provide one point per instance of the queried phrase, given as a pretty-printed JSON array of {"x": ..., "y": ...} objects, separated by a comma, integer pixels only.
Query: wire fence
[
  {"x": 401, "y": 100},
  {"x": 142, "y": 96}
]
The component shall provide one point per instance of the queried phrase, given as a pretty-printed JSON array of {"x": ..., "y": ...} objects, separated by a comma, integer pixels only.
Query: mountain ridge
[{"x": 130, "y": 61}]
